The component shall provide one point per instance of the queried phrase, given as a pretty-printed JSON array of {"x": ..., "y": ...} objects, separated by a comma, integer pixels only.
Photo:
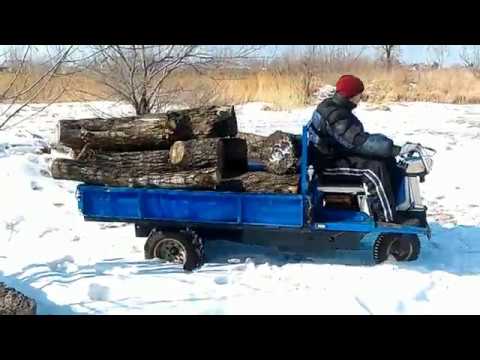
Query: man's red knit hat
[{"x": 349, "y": 86}]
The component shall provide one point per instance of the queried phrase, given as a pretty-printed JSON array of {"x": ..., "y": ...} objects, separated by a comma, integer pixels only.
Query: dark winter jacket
[{"x": 336, "y": 131}]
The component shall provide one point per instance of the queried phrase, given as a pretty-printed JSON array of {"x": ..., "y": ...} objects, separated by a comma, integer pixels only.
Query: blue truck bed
[{"x": 209, "y": 207}]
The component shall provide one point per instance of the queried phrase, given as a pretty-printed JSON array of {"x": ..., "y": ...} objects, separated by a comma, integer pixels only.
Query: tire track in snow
[{"x": 362, "y": 304}]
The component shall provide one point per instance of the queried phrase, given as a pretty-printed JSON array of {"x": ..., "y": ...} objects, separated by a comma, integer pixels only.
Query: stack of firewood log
[
  {"x": 13, "y": 302},
  {"x": 194, "y": 148}
]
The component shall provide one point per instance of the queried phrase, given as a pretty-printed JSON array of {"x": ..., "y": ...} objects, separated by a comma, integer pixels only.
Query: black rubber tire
[
  {"x": 191, "y": 242},
  {"x": 384, "y": 244},
  {"x": 12, "y": 302}
]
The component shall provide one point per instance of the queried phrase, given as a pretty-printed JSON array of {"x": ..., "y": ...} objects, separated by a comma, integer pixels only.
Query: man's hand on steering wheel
[{"x": 409, "y": 148}]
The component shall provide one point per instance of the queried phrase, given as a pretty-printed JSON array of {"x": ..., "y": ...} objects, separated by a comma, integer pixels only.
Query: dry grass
[
  {"x": 456, "y": 86},
  {"x": 59, "y": 88},
  {"x": 285, "y": 91},
  {"x": 282, "y": 89}
]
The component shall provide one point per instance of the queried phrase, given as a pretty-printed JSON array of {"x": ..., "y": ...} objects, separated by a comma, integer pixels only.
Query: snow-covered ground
[{"x": 70, "y": 266}]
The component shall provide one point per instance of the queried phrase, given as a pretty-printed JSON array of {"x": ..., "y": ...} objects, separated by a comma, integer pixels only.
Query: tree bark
[
  {"x": 131, "y": 174},
  {"x": 120, "y": 134},
  {"x": 254, "y": 143},
  {"x": 208, "y": 121},
  {"x": 279, "y": 151},
  {"x": 229, "y": 155},
  {"x": 140, "y": 161},
  {"x": 12, "y": 302},
  {"x": 148, "y": 132},
  {"x": 262, "y": 182}
]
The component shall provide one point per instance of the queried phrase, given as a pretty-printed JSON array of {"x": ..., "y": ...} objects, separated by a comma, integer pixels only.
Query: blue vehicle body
[{"x": 292, "y": 214}]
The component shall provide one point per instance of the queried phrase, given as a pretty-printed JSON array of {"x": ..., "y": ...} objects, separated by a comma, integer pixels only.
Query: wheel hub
[
  {"x": 400, "y": 248},
  {"x": 403, "y": 247},
  {"x": 171, "y": 250}
]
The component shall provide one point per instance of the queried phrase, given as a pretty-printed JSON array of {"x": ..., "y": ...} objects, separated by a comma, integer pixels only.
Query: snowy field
[{"x": 70, "y": 266}]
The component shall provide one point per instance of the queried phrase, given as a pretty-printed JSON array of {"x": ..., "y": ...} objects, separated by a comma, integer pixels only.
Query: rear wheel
[
  {"x": 184, "y": 248},
  {"x": 403, "y": 247}
]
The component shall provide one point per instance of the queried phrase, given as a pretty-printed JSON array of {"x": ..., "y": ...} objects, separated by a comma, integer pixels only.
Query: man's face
[{"x": 356, "y": 99}]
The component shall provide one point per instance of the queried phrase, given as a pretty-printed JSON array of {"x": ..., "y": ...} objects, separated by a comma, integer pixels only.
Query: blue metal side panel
[
  {"x": 105, "y": 202},
  {"x": 175, "y": 205},
  {"x": 346, "y": 226},
  {"x": 344, "y": 220},
  {"x": 348, "y": 216},
  {"x": 190, "y": 206},
  {"x": 273, "y": 210},
  {"x": 369, "y": 227}
]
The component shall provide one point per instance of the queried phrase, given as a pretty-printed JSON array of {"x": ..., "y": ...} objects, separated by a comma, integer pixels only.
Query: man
[{"x": 343, "y": 150}]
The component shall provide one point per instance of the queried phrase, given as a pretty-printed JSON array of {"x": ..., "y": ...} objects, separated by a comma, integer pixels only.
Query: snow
[{"x": 71, "y": 266}]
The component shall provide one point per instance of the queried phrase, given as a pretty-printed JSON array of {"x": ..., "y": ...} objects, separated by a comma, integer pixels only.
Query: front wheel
[
  {"x": 184, "y": 248},
  {"x": 403, "y": 247}
]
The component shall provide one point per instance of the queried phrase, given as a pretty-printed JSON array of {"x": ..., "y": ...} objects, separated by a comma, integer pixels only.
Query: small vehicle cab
[{"x": 345, "y": 206}]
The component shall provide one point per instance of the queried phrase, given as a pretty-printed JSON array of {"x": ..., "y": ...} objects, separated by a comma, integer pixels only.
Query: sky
[
  {"x": 409, "y": 53},
  {"x": 418, "y": 53}
]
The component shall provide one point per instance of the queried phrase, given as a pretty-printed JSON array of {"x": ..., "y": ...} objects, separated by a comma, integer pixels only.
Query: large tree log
[
  {"x": 279, "y": 152},
  {"x": 262, "y": 182},
  {"x": 131, "y": 174},
  {"x": 149, "y": 132},
  {"x": 229, "y": 155},
  {"x": 209, "y": 121},
  {"x": 123, "y": 134},
  {"x": 135, "y": 163},
  {"x": 254, "y": 144},
  {"x": 12, "y": 302}
]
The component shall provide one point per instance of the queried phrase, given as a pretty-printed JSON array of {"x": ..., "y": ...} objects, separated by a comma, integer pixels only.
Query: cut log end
[
  {"x": 177, "y": 152},
  {"x": 172, "y": 124}
]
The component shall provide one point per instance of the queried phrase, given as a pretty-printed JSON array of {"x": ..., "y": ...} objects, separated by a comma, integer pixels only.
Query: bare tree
[
  {"x": 470, "y": 56},
  {"x": 331, "y": 58},
  {"x": 26, "y": 81},
  {"x": 388, "y": 54},
  {"x": 311, "y": 63},
  {"x": 437, "y": 54},
  {"x": 339, "y": 58},
  {"x": 140, "y": 74},
  {"x": 309, "y": 67}
]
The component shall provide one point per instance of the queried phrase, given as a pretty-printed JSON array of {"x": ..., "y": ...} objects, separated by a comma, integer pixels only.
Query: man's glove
[
  {"x": 408, "y": 148},
  {"x": 396, "y": 150}
]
